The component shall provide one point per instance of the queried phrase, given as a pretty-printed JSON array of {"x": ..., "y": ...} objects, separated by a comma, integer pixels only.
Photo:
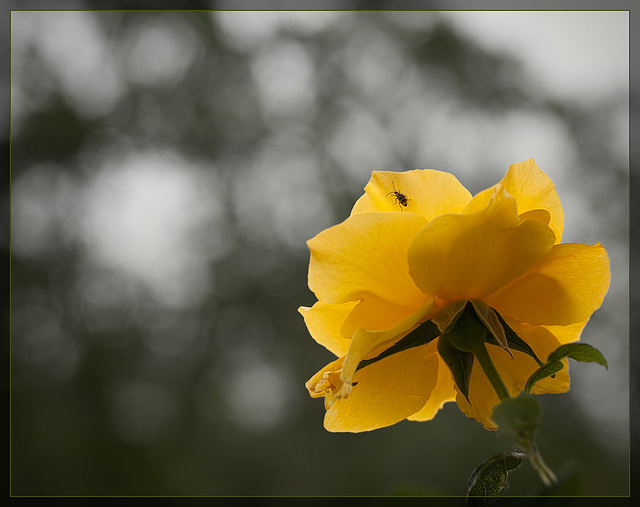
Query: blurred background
[{"x": 167, "y": 168}]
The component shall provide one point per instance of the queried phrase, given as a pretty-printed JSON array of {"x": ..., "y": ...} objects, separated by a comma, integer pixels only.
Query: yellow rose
[{"x": 418, "y": 245}]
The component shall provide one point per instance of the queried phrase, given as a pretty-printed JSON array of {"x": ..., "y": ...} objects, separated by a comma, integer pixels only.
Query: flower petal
[
  {"x": 468, "y": 256},
  {"x": 324, "y": 322},
  {"x": 374, "y": 314},
  {"x": 430, "y": 193},
  {"x": 544, "y": 341},
  {"x": 326, "y": 382},
  {"x": 541, "y": 215},
  {"x": 365, "y": 341},
  {"x": 443, "y": 392},
  {"x": 567, "y": 334},
  {"x": 533, "y": 190},
  {"x": 387, "y": 392},
  {"x": 564, "y": 288},
  {"x": 535, "y": 195},
  {"x": 366, "y": 254}
]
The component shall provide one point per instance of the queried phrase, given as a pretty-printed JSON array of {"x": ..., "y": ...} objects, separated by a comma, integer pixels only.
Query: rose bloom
[{"x": 417, "y": 241}]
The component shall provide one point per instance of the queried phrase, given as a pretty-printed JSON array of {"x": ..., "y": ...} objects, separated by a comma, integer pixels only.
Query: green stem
[
  {"x": 533, "y": 455},
  {"x": 545, "y": 473},
  {"x": 490, "y": 371}
]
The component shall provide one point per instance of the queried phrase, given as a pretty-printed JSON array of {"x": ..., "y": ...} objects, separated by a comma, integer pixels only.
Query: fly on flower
[
  {"x": 401, "y": 199},
  {"x": 444, "y": 303}
]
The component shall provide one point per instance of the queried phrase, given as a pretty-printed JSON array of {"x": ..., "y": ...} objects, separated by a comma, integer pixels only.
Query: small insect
[{"x": 401, "y": 199}]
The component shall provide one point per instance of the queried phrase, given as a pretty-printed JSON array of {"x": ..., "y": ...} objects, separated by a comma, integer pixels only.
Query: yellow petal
[
  {"x": 567, "y": 334},
  {"x": 366, "y": 254},
  {"x": 334, "y": 381},
  {"x": 514, "y": 373},
  {"x": 541, "y": 215},
  {"x": 534, "y": 190},
  {"x": 364, "y": 341},
  {"x": 324, "y": 322},
  {"x": 564, "y": 288},
  {"x": 442, "y": 393},
  {"x": 558, "y": 384},
  {"x": 316, "y": 385},
  {"x": 429, "y": 193},
  {"x": 544, "y": 340},
  {"x": 387, "y": 392},
  {"x": 326, "y": 382},
  {"x": 468, "y": 256},
  {"x": 374, "y": 314},
  {"x": 535, "y": 196}
]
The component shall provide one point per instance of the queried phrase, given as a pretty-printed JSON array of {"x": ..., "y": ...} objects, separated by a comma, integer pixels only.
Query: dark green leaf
[
  {"x": 514, "y": 341},
  {"x": 582, "y": 352},
  {"x": 460, "y": 364},
  {"x": 421, "y": 335},
  {"x": 578, "y": 351},
  {"x": 489, "y": 480}
]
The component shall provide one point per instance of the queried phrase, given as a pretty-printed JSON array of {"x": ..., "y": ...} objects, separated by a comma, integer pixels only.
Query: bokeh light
[{"x": 168, "y": 168}]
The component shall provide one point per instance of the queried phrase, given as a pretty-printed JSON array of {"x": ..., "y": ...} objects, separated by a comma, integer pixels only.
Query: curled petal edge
[{"x": 333, "y": 386}]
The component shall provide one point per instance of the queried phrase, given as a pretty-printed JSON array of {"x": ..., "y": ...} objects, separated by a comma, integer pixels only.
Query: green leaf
[
  {"x": 582, "y": 352},
  {"x": 544, "y": 371},
  {"x": 518, "y": 415},
  {"x": 522, "y": 417},
  {"x": 460, "y": 363},
  {"x": 421, "y": 335},
  {"x": 489, "y": 480}
]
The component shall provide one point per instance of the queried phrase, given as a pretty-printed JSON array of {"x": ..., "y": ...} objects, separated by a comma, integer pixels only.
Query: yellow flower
[{"x": 416, "y": 246}]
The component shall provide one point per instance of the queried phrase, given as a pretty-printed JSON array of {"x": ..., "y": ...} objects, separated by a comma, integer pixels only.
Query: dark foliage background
[{"x": 167, "y": 168}]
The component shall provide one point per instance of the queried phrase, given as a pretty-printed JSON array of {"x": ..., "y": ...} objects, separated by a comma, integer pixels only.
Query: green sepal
[
  {"x": 446, "y": 318},
  {"x": 460, "y": 363},
  {"x": 421, "y": 335},
  {"x": 489, "y": 319},
  {"x": 469, "y": 335},
  {"x": 468, "y": 332},
  {"x": 489, "y": 480},
  {"x": 513, "y": 340},
  {"x": 578, "y": 351}
]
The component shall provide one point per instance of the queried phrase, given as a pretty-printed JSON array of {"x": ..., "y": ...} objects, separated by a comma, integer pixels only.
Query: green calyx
[
  {"x": 463, "y": 341},
  {"x": 463, "y": 328},
  {"x": 466, "y": 326}
]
